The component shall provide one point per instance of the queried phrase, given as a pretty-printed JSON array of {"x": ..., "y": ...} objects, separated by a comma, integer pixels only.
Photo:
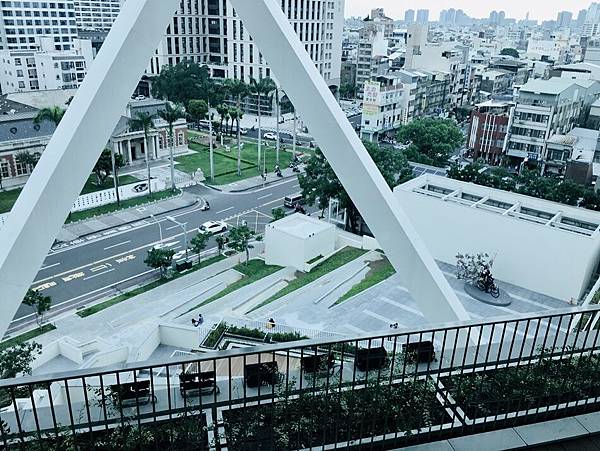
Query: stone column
[
  {"x": 155, "y": 144},
  {"x": 129, "y": 154}
]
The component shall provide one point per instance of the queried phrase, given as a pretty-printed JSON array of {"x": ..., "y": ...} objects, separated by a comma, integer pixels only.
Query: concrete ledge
[
  {"x": 488, "y": 441},
  {"x": 551, "y": 431}
]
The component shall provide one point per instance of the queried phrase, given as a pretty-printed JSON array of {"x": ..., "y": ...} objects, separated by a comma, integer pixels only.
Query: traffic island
[{"x": 503, "y": 300}]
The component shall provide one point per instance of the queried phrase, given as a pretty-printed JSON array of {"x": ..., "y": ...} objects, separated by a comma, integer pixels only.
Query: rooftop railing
[{"x": 382, "y": 390}]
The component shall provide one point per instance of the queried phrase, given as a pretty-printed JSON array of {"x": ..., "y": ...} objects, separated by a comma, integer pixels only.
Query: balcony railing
[{"x": 385, "y": 390}]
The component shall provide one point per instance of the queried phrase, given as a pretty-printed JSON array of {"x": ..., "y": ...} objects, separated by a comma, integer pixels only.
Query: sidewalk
[
  {"x": 255, "y": 182},
  {"x": 124, "y": 218}
]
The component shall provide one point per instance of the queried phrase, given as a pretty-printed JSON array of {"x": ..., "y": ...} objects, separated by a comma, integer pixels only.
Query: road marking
[
  {"x": 377, "y": 316},
  {"x": 100, "y": 268},
  {"x": 172, "y": 227},
  {"x": 44, "y": 286},
  {"x": 125, "y": 259},
  {"x": 273, "y": 202},
  {"x": 49, "y": 266},
  {"x": 117, "y": 245},
  {"x": 264, "y": 197},
  {"x": 70, "y": 277},
  {"x": 223, "y": 211},
  {"x": 99, "y": 274}
]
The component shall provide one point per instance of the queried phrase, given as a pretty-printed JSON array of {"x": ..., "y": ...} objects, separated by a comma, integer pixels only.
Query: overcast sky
[{"x": 538, "y": 9}]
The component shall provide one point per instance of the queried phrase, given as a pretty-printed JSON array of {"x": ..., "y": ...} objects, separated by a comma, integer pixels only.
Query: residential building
[
  {"x": 423, "y": 16},
  {"x": 496, "y": 81},
  {"x": 577, "y": 71},
  {"x": 545, "y": 108},
  {"x": 45, "y": 68},
  {"x": 409, "y": 16},
  {"x": 426, "y": 93},
  {"x": 549, "y": 50},
  {"x": 97, "y": 15},
  {"x": 518, "y": 68},
  {"x": 22, "y": 22},
  {"x": 488, "y": 127},
  {"x": 372, "y": 46},
  {"x": 592, "y": 52},
  {"x": 378, "y": 16},
  {"x": 383, "y": 109},
  {"x": 576, "y": 155},
  {"x": 209, "y": 32}
]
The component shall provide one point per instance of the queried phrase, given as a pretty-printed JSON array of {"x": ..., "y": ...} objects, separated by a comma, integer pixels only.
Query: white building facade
[
  {"x": 45, "y": 68},
  {"x": 383, "y": 107},
  {"x": 96, "y": 14},
  {"x": 22, "y": 22}
]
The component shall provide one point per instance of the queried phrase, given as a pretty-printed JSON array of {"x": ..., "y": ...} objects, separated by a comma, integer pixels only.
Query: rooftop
[
  {"x": 43, "y": 99},
  {"x": 301, "y": 226}
]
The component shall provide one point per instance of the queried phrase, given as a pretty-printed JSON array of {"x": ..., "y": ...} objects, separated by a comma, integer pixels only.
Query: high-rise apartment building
[
  {"x": 209, "y": 32},
  {"x": 564, "y": 18},
  {"x": 22, "y": 22},
  {"x": 423, "y": 16},
  {"x": 409, "y": 16},
  {"x": 96, "y": 14}
]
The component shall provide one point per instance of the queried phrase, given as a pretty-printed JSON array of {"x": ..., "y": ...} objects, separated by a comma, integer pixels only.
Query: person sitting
[
  {"x": 200, "y": 319},
  {"x": 194, "y": 323},
  {"x": 486, "y": 277},
  {"x": 271, "y": 323}
]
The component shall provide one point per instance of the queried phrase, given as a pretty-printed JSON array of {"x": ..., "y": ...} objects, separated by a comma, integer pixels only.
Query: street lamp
[
  {"x": 159, "y": 227},
  {"x": 183, "y": 225}
]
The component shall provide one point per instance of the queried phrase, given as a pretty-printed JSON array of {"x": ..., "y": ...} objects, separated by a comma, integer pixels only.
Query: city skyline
[{"x": 538, "y": 9}]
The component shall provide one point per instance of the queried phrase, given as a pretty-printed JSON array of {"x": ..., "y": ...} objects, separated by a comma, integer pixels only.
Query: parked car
[
  {"x": 271, "y": 136},
  {"x": 213, "y": 227}
]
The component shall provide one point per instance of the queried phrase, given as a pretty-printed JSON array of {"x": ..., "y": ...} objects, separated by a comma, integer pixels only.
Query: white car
[
  {"x": 213, "y": 227},
  {"x": 271, "y": 136},
  {"x": 243, "y": 131}
]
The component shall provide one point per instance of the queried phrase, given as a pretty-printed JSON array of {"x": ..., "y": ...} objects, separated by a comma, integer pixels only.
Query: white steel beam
[
  {"x": 46, "y": 200},
  {"x": 309, "y": 93}
]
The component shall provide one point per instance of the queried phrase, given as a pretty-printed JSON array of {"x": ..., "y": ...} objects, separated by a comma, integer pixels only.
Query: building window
[
  {"x": 4, "y": 169},
  {"x": 20, "y": 168}
]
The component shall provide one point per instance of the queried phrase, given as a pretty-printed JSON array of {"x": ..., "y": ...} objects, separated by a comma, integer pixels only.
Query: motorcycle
[{"x": 205, "y": 207}]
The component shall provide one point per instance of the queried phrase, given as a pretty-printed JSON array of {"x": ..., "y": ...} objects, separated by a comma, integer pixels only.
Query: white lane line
[
  {"x": 297, "y": 185},
  {"x": 49, "y": 266},
  {"x": 377, "y": 316},
  {"x": 98, "y": 274},
  {"x": 117, "y": 245},
  {"x": 355, "y": 329},
  {"x": 401, "y": 306},
  {"x": 273, "y": 202},
  {"x": 172, "y": 227},
  {"x": 223, "y": 211},
  {"x": 264, "y": 197}
]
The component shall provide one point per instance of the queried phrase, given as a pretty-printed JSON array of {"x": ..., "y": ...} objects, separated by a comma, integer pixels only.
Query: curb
[
  {"x": 133, "y": 221},
  {"x": 241, "y": 190}
]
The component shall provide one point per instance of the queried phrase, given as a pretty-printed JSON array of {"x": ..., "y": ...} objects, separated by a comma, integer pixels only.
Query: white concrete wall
[
  {"x": 543, "y": 259},
  {"x": 148, "y": 346},
  {"x": 179, "y": 336}
]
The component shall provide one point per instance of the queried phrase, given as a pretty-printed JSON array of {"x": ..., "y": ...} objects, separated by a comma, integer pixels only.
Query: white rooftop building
[{"x": 546, "y": 247}]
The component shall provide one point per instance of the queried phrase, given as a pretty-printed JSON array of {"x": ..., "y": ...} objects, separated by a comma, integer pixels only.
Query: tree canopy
[
  {"x": 17, "y": 359},
  {"x": 160, "y": 259},
  {"x": 103, "y": 168},
  {"x": 40, "y": 303},
  {"x": 239, "y": 240},
  {"x": 430, "y": 141},
  {"x": 181, "y": 83},
  {"x": 320, "y": 184},
  {"x": 510, "y": 52},
  {"x": 51, "y": 114}
]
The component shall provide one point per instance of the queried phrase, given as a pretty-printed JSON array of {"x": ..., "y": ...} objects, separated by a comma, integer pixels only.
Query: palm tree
[
  {"x": 223, "y": 111},
  {"x": 171, "y": 114},
  {"x": 143, "y": 121},
  {"x": 239, "y": 90},
  {"x": 263, "y": 87},
  {"x": 212, "y": 95},
  {"x": 52, "y": 114}
]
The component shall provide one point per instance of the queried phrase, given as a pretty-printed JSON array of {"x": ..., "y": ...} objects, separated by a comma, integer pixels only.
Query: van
[{"x": 292, "y": 200}]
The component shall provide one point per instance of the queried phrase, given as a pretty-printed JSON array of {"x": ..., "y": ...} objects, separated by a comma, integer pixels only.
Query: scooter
[
  {"x": 205, "y": 207},
  {"x": 278, "y": 173},
  {"x": 295, "y": 169}
]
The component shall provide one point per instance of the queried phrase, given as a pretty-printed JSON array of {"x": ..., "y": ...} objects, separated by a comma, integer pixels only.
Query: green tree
[
  {"x": 144, "y": 121},
  {"x": 27, "y": 159},
  {"x": 197, "y": 110},
  {"x": 17, "y": 359},
  {"x": 160, "y": 259},
  {"x": 220, "y": 240},
  {"x": 347, "y": 91},
  {"x": 199, "y": 243},
  {"x": 238, "y": 90},
  {"x": 52, "y": 114},
  {"x": 239, "y": 240},
  {"x": 180, "y": 83},
  {"x": 430, "y": 141},
  {"x": 320, "y": 184},
  {"x": 171, "y": 114},
  {"x": 277, "y": 214},
  {"x": 213, "y": 94},
  {"x": 104, "y": 166},
  {"x": 223, "y": 111},
  {"x": 261, "y": 88},
  {"x": 40, "y": 303},
  {"x": 510, "y": 52}
]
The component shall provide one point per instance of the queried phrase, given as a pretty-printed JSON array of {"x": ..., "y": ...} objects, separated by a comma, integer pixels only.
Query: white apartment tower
[
  {"x": 21, "y": 22},
  {"x": 96, "y": 14},
  {"x": 209, "y": 32}
]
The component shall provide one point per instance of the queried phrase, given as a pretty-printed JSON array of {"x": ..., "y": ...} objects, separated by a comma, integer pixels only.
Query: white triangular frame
[{"x": 72, "y": 152}]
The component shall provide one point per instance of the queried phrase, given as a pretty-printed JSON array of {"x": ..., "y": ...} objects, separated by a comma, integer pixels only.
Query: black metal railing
[{"x": 380, "y": 391}]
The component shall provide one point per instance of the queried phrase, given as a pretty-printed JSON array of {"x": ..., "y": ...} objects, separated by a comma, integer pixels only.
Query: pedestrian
[
  {"x": 271, "y": 323},
  {"x": 194, "y": 323},
  {"x": 200, "y": 319}
]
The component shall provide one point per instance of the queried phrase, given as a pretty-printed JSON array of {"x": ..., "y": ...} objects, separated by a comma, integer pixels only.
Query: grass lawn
[
  {"x": 226, "y": 162},
  {"x": 26, "y": 336},
  {"x": 91, "y": 186},
  {"x": 8, "y": 199},
  {"x": 334, "y": 262},
  {"x": 157, "y": 283},
  {"x": 253, "y": 271},
  {"x": 380, "y": 271},
  {"x": 110, "y": 208}
]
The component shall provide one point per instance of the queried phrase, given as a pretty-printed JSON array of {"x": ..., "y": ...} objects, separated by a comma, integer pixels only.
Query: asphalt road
[{"x": 79, "y": 275}]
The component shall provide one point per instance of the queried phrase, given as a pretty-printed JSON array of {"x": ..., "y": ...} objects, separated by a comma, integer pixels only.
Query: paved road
[{"x": 78, "y": 275}]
